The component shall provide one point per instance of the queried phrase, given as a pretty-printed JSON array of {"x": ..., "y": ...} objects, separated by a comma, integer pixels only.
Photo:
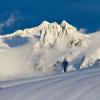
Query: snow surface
[
  {"x": 77, "y": 85},
  {"x": 41, "y": 50}
]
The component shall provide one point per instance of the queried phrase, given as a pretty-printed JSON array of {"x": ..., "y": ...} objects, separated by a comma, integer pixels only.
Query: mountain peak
[
  {"x": 68, "y": 26},
  {"x": 44, "y": 23},
  {"x": 64, "y": 22}
]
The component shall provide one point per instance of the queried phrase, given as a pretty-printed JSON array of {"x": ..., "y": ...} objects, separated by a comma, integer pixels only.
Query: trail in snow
[{"x": 77, "y": 85}]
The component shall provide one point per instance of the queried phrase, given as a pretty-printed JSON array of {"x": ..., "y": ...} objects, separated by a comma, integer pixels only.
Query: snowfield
[{"x": 77, "y": 85}]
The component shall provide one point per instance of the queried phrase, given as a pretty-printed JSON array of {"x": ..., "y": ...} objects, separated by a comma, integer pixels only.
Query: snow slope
[
  {"x": 77, "y": 85},
  {"x": 41, "y": 50}
]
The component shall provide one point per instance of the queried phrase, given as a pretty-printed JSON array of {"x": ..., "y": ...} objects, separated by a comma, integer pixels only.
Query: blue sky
[{"x": 20, "y": 14}]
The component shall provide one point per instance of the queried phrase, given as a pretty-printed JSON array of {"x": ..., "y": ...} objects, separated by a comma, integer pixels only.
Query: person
[{"x": 65, "y": 64}]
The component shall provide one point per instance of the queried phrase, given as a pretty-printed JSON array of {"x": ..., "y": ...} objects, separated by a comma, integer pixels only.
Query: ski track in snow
[{"x": 77, "y": 85}]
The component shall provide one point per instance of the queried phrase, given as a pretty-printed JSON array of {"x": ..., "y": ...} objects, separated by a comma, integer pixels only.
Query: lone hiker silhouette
[{"x": 65, "y": 64}]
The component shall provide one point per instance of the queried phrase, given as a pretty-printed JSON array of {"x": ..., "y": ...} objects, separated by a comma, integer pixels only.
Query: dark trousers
[{"x": 65, "y": 68}]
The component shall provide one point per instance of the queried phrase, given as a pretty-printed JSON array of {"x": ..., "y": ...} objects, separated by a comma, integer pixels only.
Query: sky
[{"x": 20, "y": 14}]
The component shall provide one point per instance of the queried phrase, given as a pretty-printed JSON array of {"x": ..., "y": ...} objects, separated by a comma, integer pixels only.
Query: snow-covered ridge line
[
  {"x": 44, "y": 25},
  {"x": 50, "y": 33}
]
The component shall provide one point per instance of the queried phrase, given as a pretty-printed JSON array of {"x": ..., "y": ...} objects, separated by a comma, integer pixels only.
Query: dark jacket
[{"x": 65, "y": 63}]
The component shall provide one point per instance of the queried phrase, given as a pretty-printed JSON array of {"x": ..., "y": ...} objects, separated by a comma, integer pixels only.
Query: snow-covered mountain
[{"x": 41, "y": 49}]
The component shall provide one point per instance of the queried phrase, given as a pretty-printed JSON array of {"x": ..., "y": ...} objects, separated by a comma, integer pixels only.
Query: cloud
[
  {"x": 1, "y": 27},
  {"x": 11, "y": 20},
  {"x": 83, "y": 30},
  {"x": 14, "y": 16}
]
